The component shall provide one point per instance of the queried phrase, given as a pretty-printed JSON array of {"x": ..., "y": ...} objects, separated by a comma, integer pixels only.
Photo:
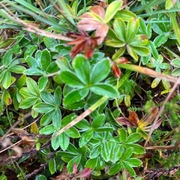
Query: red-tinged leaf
[
  {"x": 125, "y": 121},
  {"x": 122, "y": 60},
  {"x": 133, "y": 118},
  {"x": 101, "y": 32},
  {"x": 75, "y": 168},
  {"x": 84, "y": 173},
  {"x": 99, "y": 10},
  {"x": 116, "y": 70}
]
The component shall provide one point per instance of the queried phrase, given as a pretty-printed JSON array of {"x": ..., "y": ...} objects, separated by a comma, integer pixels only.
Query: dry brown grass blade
[{"x": 161, "y": 110}]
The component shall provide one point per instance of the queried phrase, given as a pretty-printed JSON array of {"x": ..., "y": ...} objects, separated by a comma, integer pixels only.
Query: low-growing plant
[{"x": 64, "y": 110}]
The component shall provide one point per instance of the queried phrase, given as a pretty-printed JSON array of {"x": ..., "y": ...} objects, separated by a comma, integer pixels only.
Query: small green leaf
[
  {"x": 56, "y": 119},
  {"x": 154, "y": 50},
  {"x": 175, "y": 63},
  {"x": 43, "y": 107},
  {"x": 63, "y": 141},
  {"x": 98, "y": 121},
  {"x": 114, "y": 169},
  {"x": 75, "y": 96},
  {"x": 176, "y": 72},
  {"x": 120, "y": 29},
  {"x": 115, "y": 43},
  {"x": 106, "y": 149},
  {"x": 132, "y": 52},
  {"x": 73, "y": 132},
  {"x": 127, "y": 100},
  {"x": 46, "y": 118},
  {"x": 85, "y": 138},
  {"x": 159, "y": 40},
  {"x": 52, "y": 166},
  {"x": 18, "y": 69},
  {"x": 137, "y": 149},
  {"x": 129, "y": 168},
  {"x": 55, "y": 142},
  {"x": 71, "y": 79},
  {"x": 58, "y": 95},
  {"x": 82, "y": 68},
  {"x": 122, "y": 135},
  {"x": 32, "y": 86},
  {"x": 42, "y": 83},
  {"x": 141, "y": 50},
  {"x": 91, "y": 163},
  {"x": 40, "y": 177},
  {"x": 45, "y": 59},
  {"x": 104, "y": 90},
  {"x": 134, "y": 162},
  {"x": 127, "y": 154},
  {"x": 7, "y": 58},
  {"x": 94, "y": 153},
  {"x": 49, "y": 129},
  {"x": 132, "y": 138},
  {"x": 70, "y": 165},
  {"x": 132, "y": 29},
  {"x": 7, "y": 80},
  {"x": 155, "y": 82},
  {"x": 48, "y": 98},
  {"x": 112, "y": 9},
  {"x": 28, "y": 102},
  {"x": 100, "y": 71}
]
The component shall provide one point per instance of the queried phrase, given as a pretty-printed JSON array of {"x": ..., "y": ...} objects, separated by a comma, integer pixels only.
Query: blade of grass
[{"x": 148, "y": 72}]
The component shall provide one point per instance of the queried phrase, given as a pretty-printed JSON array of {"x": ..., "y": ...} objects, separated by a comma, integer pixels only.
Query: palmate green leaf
[
  {"x": 52, "y": 68},
  {"x": 32, "y": 86},
  {"x": 71, "y": 79},
  {"x": 100, "y": 71},
  {"x": 43, "y": 107},
  {"x": 85, "y": 138},
  {"x": 112, "y": 10},
  {"x": 45, "y": 59},
  {"x": 55, "y": 142},
  {"x": 33, "y": 72},
  {"x": 75, "y": 96},
  {"x": 119, "y": 53},
  {"x": 58, "y": 95},
  {"x": 104, "y": 90},
  {"x": 120, "y": 29},
  {"x": 52, "y": 166},
  {"x": 82, "y": 68}
]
